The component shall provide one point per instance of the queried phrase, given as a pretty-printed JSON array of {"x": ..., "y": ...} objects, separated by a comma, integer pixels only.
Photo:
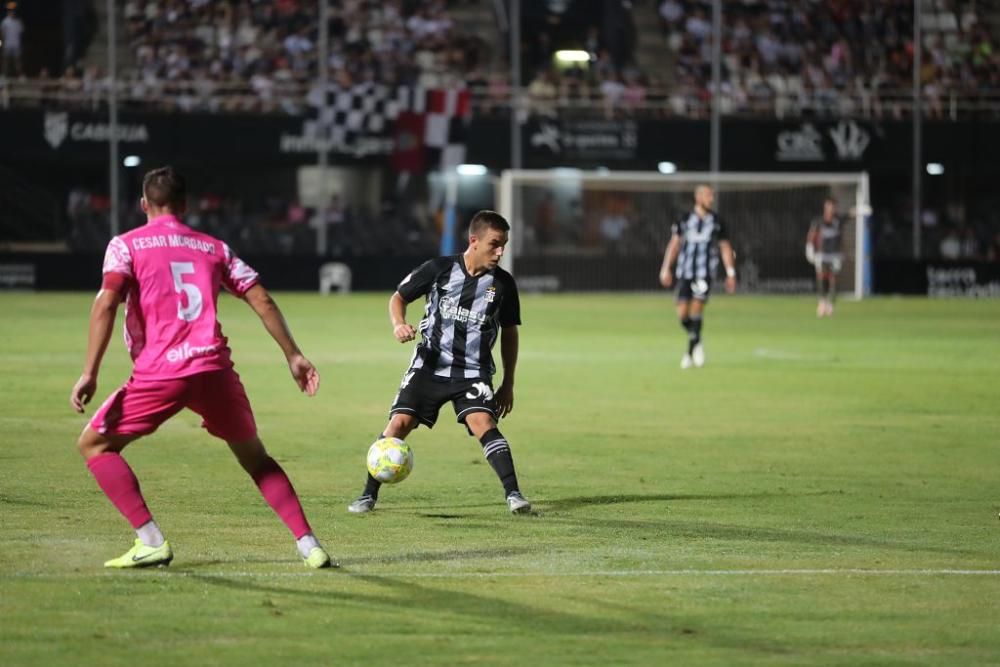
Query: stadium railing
[{"x": 291, "y": 98}]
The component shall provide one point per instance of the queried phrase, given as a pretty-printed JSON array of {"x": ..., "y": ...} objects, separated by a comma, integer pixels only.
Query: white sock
[
  {"x": 306, "y": 543},
  {"x": 150, "y": 534}
]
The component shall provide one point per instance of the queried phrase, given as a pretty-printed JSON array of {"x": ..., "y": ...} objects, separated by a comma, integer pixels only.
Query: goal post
[{"x": 606, "y": 230}]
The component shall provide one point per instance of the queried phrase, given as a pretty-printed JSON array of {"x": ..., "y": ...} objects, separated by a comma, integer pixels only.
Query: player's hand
[
  {"x": 731, "y": 284},
  {"x": 304, "y": 374},
  {"x": 83, "y": 391},
  {"x": 666, "y": 279},
  {"x": 404, "y": 332},
  {"x": 504, "y": 398}
]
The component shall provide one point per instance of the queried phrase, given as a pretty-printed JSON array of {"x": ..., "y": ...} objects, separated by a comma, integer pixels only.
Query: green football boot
[
  {"x": 142, "y": 556},
  {"x": 319, "y": 559}
]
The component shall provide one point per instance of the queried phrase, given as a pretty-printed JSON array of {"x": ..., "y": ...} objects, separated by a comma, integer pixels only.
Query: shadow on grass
[
  {"x": 451, "y": 555},
  {"x": 748, "y": 533},
  {"x": 620, "y": 499},
  {"x": 616, "y": 499},
  {"x": 454, "y": 609},
  {"x": 10, "y": 500},
  {"x": 710, "y": 530},
  {"x": 212, "y": 562}
]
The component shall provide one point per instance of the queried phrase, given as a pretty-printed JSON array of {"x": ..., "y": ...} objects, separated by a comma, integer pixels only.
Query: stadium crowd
[
  {"x": 780, "y": 57},
  {"x": 827, "y": 56},
  {"x": 260, "y": 55}
]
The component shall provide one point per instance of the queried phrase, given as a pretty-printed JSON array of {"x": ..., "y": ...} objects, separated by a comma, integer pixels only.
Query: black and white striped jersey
[
  {"x": 699, "y": 255},
  {"x": 462, "y": 317},
  {"x": 829, "y": 236}
]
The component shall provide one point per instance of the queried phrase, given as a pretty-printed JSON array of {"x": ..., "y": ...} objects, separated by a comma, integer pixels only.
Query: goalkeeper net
[{"x": 591, "y": 230}]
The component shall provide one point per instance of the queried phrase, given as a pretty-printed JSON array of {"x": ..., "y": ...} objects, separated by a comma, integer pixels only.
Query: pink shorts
[{"x": 140, "y": 406}]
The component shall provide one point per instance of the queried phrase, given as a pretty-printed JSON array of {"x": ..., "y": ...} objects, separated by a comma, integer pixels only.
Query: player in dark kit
[
  {"x": 470, "y": 299},
  {"x": 695, "y": 244},
  {"x": 824, "y": 249}
]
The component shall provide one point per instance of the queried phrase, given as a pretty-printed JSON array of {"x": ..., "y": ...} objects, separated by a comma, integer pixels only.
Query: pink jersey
[{"x": 174, "y": 274}]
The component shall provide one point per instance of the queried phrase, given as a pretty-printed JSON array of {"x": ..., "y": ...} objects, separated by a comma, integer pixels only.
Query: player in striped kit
[
  {"x": 469, "y": 300},
  {"x": 824, "y": 249},
  {"x": 692, "y": 257}
]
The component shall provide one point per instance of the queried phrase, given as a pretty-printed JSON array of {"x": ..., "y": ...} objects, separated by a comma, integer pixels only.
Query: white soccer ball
[{"x": 390, "y": 460}]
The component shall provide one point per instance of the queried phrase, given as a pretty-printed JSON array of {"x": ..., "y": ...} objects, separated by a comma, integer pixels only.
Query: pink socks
[
  {"x": 277, "y": 490},
  {"x": 119, "y": 484}
]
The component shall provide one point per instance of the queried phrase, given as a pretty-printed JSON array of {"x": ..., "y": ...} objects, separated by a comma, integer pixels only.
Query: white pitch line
[
  {"x": 790, "y": 572},
  {"x": 787, "y": 355}
]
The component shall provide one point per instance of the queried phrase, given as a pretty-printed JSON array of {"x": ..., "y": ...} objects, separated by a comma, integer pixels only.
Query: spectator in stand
[
  {"x": 671, "y": 13},
  {"x": 951, "y": 245},
  {"x": 993, "y": 251},
  {"x": 11, "y": 32},
  {"x": 612, "y": 91},
  {"x": 543, "y": 93}
]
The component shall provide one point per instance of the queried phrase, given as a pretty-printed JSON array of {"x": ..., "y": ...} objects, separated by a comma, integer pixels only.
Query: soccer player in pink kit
[{"x": 169, "y": 276}]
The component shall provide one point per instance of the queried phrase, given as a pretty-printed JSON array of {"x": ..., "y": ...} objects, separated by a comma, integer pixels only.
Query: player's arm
[
  {"x": 303, "y": 372},
  {"x": 811, "y": 243},
  {"x": 508, "y": 354},
  {"x": 102, "y": 321},
  {"x": 729, "y": 261},
  {"x": 669, "y": 257},
  {"x": 403, "y": 332}
]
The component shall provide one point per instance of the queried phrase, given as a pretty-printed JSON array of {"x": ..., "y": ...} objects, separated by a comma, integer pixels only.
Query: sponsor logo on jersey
[
  {"x": 189, "y": 351},
  {"x": 450, "y": 310}
]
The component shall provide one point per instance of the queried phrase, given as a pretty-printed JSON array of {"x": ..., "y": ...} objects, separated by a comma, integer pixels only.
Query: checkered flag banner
[{"x": 351, "y": 117}]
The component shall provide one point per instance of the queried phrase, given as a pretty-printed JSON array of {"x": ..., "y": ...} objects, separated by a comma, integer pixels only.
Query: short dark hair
[
  {"x": 831, "y": 199},
  {"x": 491, "y": 219},
  {"x": 164, "y": 188}
]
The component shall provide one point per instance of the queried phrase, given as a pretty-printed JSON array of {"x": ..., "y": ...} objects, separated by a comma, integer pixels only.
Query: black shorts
[
  {"x": 422, "y": 394},
  {"x": 829, "y": 262},
  {"x": 697, "y": 289}
]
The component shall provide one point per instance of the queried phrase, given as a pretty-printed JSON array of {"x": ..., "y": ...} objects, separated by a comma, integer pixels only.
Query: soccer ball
[{"x": 390, "y": 460}]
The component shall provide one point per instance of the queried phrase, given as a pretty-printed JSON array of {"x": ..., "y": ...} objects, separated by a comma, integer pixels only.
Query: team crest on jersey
[{"x": 491, "y": 293}]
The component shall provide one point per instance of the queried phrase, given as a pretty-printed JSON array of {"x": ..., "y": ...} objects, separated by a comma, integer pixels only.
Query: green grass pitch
[{"x": 822, "y": 492}]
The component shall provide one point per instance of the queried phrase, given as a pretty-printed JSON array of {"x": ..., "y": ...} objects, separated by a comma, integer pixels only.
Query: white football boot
[
  {"x": 698, "y": 355},
  {"x": 517, "y": 503}
]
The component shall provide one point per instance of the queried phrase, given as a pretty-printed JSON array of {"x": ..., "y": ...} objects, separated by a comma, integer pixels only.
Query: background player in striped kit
[
  {"x": 695, "y": 243},
  {"x": 469, "y": 300},
  {"x": 824, "y": 249}
]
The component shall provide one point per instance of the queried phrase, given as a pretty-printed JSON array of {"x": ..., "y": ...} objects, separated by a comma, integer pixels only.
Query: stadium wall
[
  {"x": 69, "y": 272},
  {"x": 82, "y": 271},
  {"x": 748, "y": 145},
  {"x": 941, "y": 279}
]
